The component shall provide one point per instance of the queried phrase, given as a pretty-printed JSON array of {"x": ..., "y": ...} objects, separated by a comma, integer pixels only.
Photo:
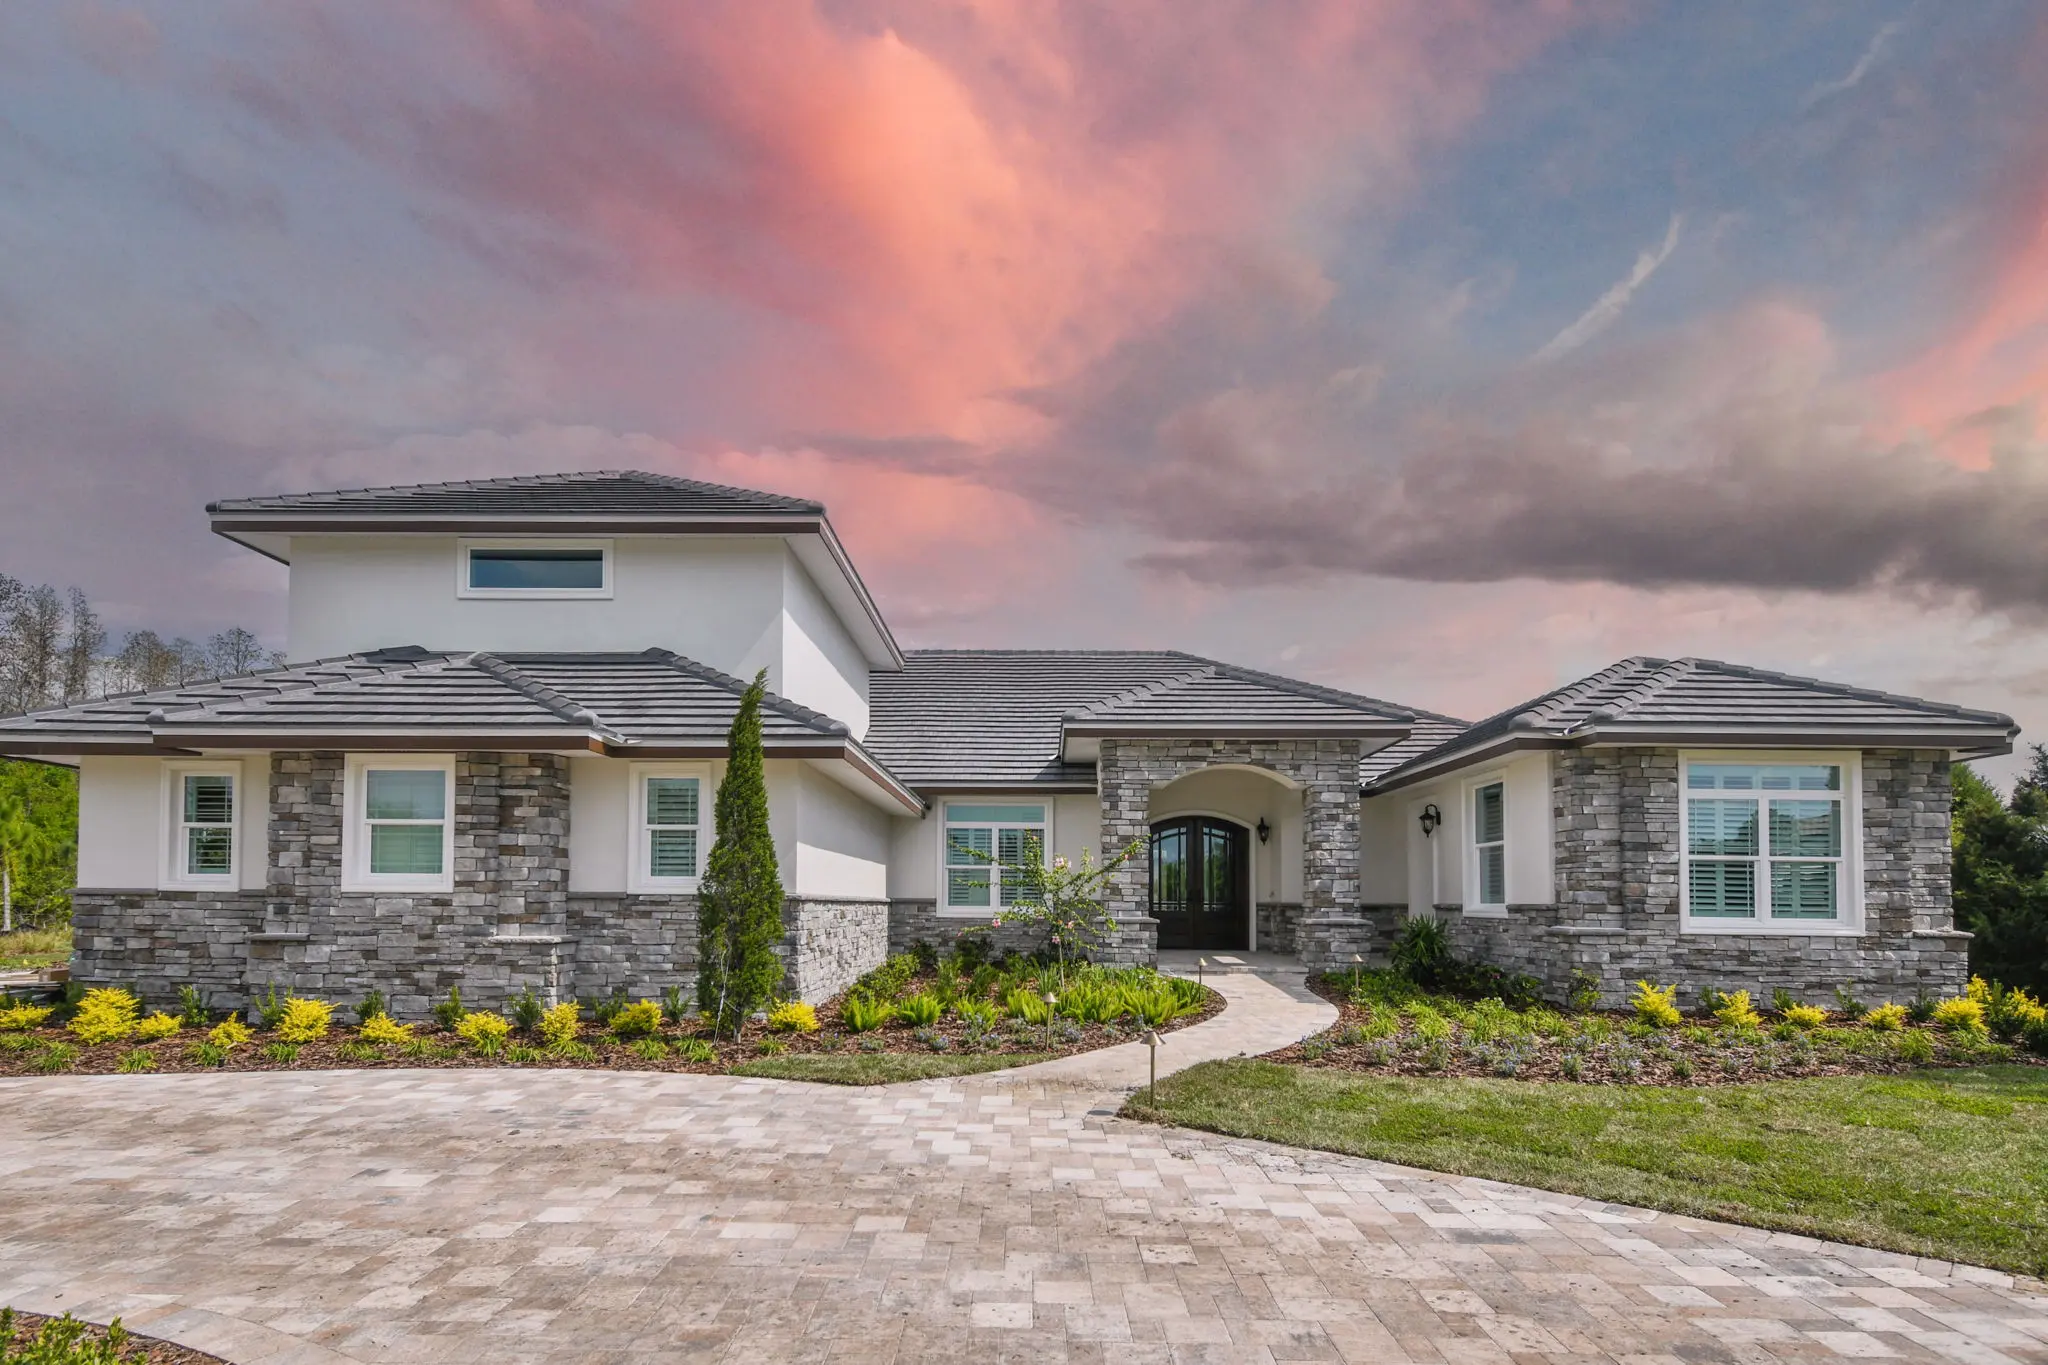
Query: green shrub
[
  {"x": 863, "y": 1014},
  {"x": 639, "y": 1020},
  {"x": 67, "y": 1341},
  {"x": 303, "y": 1021},
  {"x": 519, "y": 1055},
  {"x": 921, "y": 1010},
  {"x": 651, "y": 1049},
  {"x": 1921, "y": 1008},
  {"x": 673, "y": 1008},
  {"x": 1657, "y": 1005},
  {"x": 1024, "y": 1003},
  {"x": 54, "y": 1057},
  {"x": 105, "y": 1015},
  {"x": 696, "y": 1051},
  {"x": 136, "y": 1060},
  {"x": 1848, "y": 1005},
  {"x": 1583, "y": 993},
  {"x": 448, "y": 1013},
  {"x": 772, "y": 1047},
  {"x": 269, "y": 1009},
  {"x": 739, "y": 897},
  {"x": 192, "y": 1008},
  {"x": 1913, "y": 1046},
  {"x": 887, "y": 981},
  {"x": 358, "y": 1052},
  {"x": 573, "y": 1051},
  {"x": 287, "y": 1053},
  {"x": 526, "y": 1010},
  {"x": 369, "y": 1007},
  {"x": 208, "y": 1054},
  {"x": 980, "y": 1014},
  {"x": 1421, "y": 949}
]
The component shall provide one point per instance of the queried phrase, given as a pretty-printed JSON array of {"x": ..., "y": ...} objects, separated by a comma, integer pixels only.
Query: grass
[
  {"x": 880, "y": 1068},
  {"x": 1950, "y": 1164},
  {"x": 30, "y": 949}
]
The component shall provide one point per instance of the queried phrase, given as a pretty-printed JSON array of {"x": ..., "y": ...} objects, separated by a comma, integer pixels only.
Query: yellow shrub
[
  {"x": 483, "y": 1030},
  {"x": 157, "y": 1026},
  {"x": 1886, "y": 1018},
  {"x": 1978, "y": 990},
  {"x": 1806, "y": 1016},
  {"x": 22, "y": 1018},
  {"x": 1737, "y": 1012},
  {"x": 229, "y": 1033},
  {"x": 794, "y": 1017},
  {"x": 639, "y": 1020},
  {"x": 380, "y": 1028},
  {"x": 1656, "y": 1005},
  {"x": 105, "y": 1015},
  {"x": 304, "y": 1021},
  {"x": 559, "y": 1025},
  {"x": 1962, "y": 1015}
]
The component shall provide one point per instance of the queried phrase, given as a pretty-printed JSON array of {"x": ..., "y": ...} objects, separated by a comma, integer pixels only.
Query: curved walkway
[{"x": 429, "y": 1216}]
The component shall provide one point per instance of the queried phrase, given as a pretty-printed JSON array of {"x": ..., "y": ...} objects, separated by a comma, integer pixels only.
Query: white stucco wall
[
  {"x": 1436, "y": 867},
  {"x": 124, "y": 823},
  {"x": 820, "y": 664},
  {"x": 842, "y": 842},
  {"x": 1383, "y": 857},
  {"x": 914, "y": 844}
]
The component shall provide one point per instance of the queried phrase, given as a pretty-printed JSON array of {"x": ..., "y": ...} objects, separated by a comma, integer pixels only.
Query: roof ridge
[
  {"x": 682, "y": 481},
  {"x": 1302, "y": 688},
  {"x": 534, "y": 690},
  {"x": 1153, "y": 688},
  {"x": 1656, "y": 681},
  {"x": 783, "y": 706},
  {"x": 1848, "y": 690},
  {"x": 381, "y": 668}
]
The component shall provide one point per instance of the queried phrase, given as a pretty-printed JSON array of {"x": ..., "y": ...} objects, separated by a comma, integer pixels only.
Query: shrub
[
  {"x": 793, "y": 1016},
  {"x": 54, "y": 1057},
  {"x": 137, "y": 1060},
  {"x": 270, "y": 1010},
  {"x": 286, "y": 1053},
  {"x": 1921, "y": 1008},
  {"x": 2035, "y": 1036},
  {"x": 192, "y": 1007},
  {"x": 739, "y": 898},
  {"x": 384, "y": 1031},
  {"x": 304, "y": 1021},
  {"x": 1583, "y": 993},
  {"x": 696, "y": 1051},
  {"x": 449, "y": 1012},
  {"x": 772, "y": 1047},
  {"x": 1736, "y": 1012},
  {"x": 559, "y": 1026},
  {"x": 105, "y": 1015},
  {"x": 864, "y": 1014},
  {"x": 1850, "y": 1007},
  {"x": 980, "y": 1014},
  {"x": 1913, "y": 1046},
  {"x": 2010, "y": 1013},
  {"x": 369, "y": 1007},
  {"x": 1961, "y": 1015},
  {"x": 22, "y": 1018},
  {"x": 229, "y": 1033},
  {"x": 639, "y": 1020},
  {"x": 1023, "y": 1003},
  {"x": 1886, "y": 1018},
  {"x": 157, "y": 1026},
  {"x": 1154, "y": 1007},
  {"x": 483, "y": 1030},
  {"x": 208, "y": 1054},
  {"x": 887, "y": 981},
  {"x": 522, "y": 1056},
  {"x": 1806, "y": 1016},
  {"x": 1421, "y": 949},
  {"x": 358, "y": 1052},
  {"x": 527, "y": 1010},
  {"x": 1782, "y": 1000},
  {"x": 921, "y": 1010},
  {"x": 673, "y": 1010},
  {"x": 605, "y": 1008},
  {"x": 67, "y": 1341},
  {"x": 1656, "y": 1005},
  {"x": 650, "y": 1049}
]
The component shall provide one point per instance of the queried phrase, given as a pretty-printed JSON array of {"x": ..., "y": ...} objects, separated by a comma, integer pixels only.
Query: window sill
[
  {"x": 1773, "y": 929},
  {"x": 230, "y": 883},
  {"x": 1483, "y": 911},
  {"x": 965, "y": 912},
  {"x": 401, "y": 888},
  {"x": 677, "y": 888}
]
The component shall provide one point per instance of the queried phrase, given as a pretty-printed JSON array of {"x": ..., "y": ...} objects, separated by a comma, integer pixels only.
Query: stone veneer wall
[
  {"x": 1278, "y": 922},
  {"x": 1129, "y": 770},
  {"x": 912, "y": 921},
  {"x": 509, "y": 925},
  {"x": 1616, "y": 815}
]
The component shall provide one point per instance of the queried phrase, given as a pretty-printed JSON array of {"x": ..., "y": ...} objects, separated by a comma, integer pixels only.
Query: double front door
[{"x": 1201, "y": 883}]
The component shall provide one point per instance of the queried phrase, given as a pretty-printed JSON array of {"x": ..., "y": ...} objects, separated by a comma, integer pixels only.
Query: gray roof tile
[{"x": 589, "y": 493}]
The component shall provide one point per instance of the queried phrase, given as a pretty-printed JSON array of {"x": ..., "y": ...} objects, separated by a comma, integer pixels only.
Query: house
[{"x": 495, "y": 768}]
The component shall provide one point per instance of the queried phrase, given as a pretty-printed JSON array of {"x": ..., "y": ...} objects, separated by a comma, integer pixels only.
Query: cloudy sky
[{"x": 1440, "y": 349}]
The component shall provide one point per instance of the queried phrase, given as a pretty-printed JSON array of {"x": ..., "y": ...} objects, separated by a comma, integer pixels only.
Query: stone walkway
[{"x": 516, "y": 1216}]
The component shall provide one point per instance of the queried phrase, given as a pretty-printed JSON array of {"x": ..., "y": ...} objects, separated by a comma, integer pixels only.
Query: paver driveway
[{"x": 574, "y": 1216}]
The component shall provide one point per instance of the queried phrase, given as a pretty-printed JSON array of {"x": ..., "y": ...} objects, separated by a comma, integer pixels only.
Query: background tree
[
  {"x": 2001, "y": 873},
  {"x": 739, "y": 899},
  {"x": 235, "y": 650},
  {"x": 38, "y": 843},
  {"x": 83, "y": 644}
]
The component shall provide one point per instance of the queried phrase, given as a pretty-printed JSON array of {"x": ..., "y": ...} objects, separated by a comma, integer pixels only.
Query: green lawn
[
  {"x": 27, "y": 949},
  {"x": 1952, "y": 1164},
  {"x": 880, "y": 1068}
]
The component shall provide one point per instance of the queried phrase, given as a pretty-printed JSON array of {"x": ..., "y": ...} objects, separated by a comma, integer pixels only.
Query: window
[
  {"x": 989, "y": 853},
  {"x": 535, "y": 568},
  {"x": 201, "y": 800},
  {"x": 668, "y": 826},
  {"x": 400, "y": 836},
  {"x": 1766, "y": 847},
  {"x": 1489, "y": 870}
]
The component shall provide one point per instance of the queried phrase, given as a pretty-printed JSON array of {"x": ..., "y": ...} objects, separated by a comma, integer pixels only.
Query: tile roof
[
  {"x": 997, "y": 718},
  {"x": 1709, "y": 699},
  {"x": 595, "y": 492}
]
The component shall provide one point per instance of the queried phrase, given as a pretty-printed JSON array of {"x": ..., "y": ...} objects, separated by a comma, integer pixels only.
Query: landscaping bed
[
  {"x": 67, "y": 1341},
  {"x": 916, "y": 1017},
  {"x": 1390, "y": 1026},
  {"x": 1951, "y": 1164}
]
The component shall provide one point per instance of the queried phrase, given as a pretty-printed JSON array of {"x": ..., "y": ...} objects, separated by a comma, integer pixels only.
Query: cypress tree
[{"x": 739, "y": 900}]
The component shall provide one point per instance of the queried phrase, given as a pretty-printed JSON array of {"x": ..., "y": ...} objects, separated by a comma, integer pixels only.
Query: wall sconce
[
  {"x": 1265, "y": 831},
  {"x": 1430, "y": 818}
]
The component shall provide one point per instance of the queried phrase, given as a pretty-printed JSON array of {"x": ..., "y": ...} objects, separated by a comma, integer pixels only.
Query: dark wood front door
[{"x": 1201, "y": 883}]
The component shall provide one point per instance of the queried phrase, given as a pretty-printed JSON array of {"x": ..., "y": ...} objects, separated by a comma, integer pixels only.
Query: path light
[
  {"x": 1151, "y": 1040},
  {"x": 1201, "y": 963},
  {"x": 1050, "y": 1000},
  {"x": 1357, "y": 970}
]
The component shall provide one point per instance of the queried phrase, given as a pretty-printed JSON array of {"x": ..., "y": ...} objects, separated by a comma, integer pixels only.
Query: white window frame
[
  {"x": 463, "y": 589},
  {"x": 1849, "y": 920},
  {"x": 945, "y": 909},
  {"x": 171, "y": 873},
  {"x": 1468, "y": 832},
  {"x": 638, "y": 878},
  {"x": 355, "y": 831}
]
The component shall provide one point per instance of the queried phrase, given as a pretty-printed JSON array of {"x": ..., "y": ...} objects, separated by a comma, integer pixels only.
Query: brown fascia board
[
  {"x": 87, "y": 747},
  {"x": 997, "y": 786},
  {"x": 1231, "y": 730},
  {"x": 386, "y": 741},
  {"x": 845, "y": 751}
]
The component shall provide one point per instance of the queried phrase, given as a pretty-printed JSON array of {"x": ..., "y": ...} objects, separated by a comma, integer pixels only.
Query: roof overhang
[
  {"x": 1958, "y": 743},
  {"x": 1081, "y": 740},
  {"x": 809, "y": 535}
]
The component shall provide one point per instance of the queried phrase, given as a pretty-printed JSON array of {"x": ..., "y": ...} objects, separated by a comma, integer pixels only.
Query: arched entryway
[{"x": 1202, "y": 882}]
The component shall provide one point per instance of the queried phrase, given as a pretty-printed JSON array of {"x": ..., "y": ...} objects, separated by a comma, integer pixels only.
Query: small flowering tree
[{"x": 1063, "y": 899}]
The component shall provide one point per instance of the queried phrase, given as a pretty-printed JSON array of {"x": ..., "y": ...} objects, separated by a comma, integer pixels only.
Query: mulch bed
[
  {"x": 439, "y": 1048},
  {"x": 1677, "y": 1056},
  {"x": 137, "y": 1348}
]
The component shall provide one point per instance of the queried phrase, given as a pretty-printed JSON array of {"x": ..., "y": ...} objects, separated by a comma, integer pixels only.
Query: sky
[{"x": 1437, "y": 349}]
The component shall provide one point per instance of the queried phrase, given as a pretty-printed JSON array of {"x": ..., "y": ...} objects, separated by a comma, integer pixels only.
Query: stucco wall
[
  {"x": 124, "y": 820},
  {"x": 821, "y": 665},
  {"x": 914, "y": 844},
  {"x": 1406, "y": 865}
]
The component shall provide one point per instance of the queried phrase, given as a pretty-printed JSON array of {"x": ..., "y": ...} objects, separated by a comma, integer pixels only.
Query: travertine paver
[{"x": 578, "y": 1216}]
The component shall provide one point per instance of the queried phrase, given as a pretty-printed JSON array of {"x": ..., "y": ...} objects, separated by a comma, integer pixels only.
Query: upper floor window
[
  {"x": 989, "y": 853},
  {"x": 535, "y": 568},
  {"x": 202, "y": 805},
  {"x": 1767, "y": 846},
  {"x": 668, "y": 826},
  {"x": 1488, "y": 889},
  {"x": 399, "y": 835}
]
